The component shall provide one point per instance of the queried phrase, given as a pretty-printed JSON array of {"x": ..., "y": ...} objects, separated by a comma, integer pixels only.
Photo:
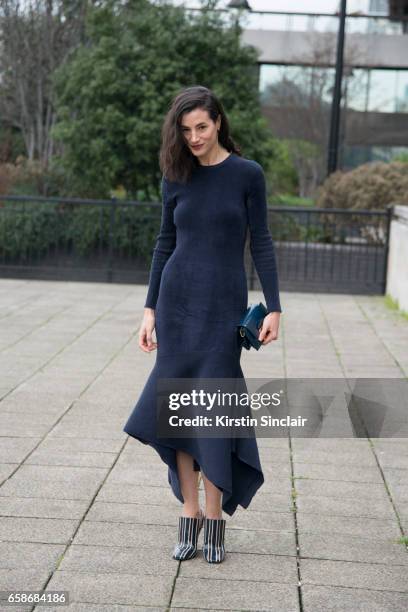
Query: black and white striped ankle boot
[
  {"x": 213, "y": 548},
  {"x": 188, "y": 532}
]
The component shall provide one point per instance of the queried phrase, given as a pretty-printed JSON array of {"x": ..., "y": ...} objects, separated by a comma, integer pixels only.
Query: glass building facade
[
  {"x": 374, "y": 119},
  {"x": 367, "y": 89},
  {"x": 296, "y": 93}
]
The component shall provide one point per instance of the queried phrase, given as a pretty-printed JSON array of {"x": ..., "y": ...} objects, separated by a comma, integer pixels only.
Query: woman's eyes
[{"x": 201, "y": 127}]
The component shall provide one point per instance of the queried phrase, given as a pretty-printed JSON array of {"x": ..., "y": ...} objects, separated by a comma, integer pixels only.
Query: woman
[{"x": 197, "y": 295}]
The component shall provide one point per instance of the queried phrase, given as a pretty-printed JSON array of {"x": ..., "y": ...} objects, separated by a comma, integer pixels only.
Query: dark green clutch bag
[{"x": 248, "y": 327}]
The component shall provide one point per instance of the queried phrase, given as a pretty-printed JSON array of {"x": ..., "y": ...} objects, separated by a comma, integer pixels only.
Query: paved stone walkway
[{"x": 86, "y": 509}]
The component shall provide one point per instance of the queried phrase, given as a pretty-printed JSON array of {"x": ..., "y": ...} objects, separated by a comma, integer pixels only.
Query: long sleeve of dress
[
  {"x": 165, "y": 245},
  {"x": 261, "y": 244}
]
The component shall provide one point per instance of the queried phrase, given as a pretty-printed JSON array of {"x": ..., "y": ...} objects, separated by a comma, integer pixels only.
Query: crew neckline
[{"x": 221, "y": 163}]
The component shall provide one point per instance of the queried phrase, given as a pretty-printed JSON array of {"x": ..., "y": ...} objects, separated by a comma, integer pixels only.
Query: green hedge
[{"x": 38, "y": 228}]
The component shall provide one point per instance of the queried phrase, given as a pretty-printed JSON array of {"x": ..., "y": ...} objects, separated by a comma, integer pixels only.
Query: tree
[
  {"x": 113, "y": 92},
  {"x": 35, "y": 37}
]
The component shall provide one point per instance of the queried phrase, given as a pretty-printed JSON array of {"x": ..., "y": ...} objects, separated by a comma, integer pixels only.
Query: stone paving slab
[
  {"x": 331, "y": 445},
  {"x": 339, "y": 599},
  {"x": 340, "y": 489},
  {"x": 239, "y": 566},
  {"x": 276, "y": 483},
  {"x": 402, "y": 509},
  {"x": 318, "y": 505},
  {"x": 275, "y": 455},
  {"x": 363, "y": 458},
  {"x": 278, "y": 443},
  {"x": 276, "y": 470},
  {"x": 391, "y": 447},
  {"x": 263, "y": 521},
  {"x": 397, "y": 476},
  {"x": 78, "y": 459},
  {"x": 399, "y": 492},
  {"x": 135, "y": 450},
  {"x": 135, "y": 455},
  {"x": 143, "y": 494},
  {"x": 353, "y": 548},
  {"x": 78, "y": 445},
  {"x": 267, "y": 502},
  {"x": 60, "y": 489},
  {"x": 14, "y": 450},
  {"x": 14, "y": 426},
  {"x": 145, "y": 514},
  {"x": 353, "y": 526},
  {"x": 56, "y": 474},
  {"x": 92, "y": 533},
  {"x": 395, "y": 460},
  {"x": 244, "y": 595},
  {"x": 354, "y": 575},
  {"x": 29, "y": 555},
  {"x": 6, "y": 469},
  {"x": 22, "y": 529},
  {"x": 140, "y": 461},
  {"x": 51, "y": 401},
  {"x": 117, "y": 588},
  {"x": 81, "y": 430},
  {"x": 117, "y": 560},
  {"x": 138, "y": 476},
  {"x": 260, "y": 542},
  {"x": 337, "y": 472}
]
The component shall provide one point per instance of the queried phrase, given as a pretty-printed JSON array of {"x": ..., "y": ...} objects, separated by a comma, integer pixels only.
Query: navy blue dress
[{"x": 198, "y": 283}]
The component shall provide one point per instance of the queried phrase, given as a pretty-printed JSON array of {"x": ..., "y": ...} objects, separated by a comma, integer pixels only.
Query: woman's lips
[{"x": 197, "y": 146}]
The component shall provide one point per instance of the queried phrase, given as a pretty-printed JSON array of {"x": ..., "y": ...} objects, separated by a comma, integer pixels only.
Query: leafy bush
[
  {"x": 30, "y": 177},
  {"x": 370, "y": 186},
  {"x": 37, "y": 229},
  {"x": 24, "y": 231},
  {"x": 7, "y": 177}
]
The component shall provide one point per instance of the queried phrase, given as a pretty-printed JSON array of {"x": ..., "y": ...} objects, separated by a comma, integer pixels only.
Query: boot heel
[
  {"x": 214, "y": 532},
  {"x": 188, "y": 532}
]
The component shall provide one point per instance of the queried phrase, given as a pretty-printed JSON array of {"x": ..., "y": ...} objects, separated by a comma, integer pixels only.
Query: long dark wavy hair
[{"x": 176, "y": 160}]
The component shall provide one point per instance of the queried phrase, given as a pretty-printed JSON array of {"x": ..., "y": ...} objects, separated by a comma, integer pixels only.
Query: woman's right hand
[{"x": 146, "y": 331}]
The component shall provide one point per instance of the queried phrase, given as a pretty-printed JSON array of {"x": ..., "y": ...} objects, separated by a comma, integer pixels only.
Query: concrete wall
[
  {"x": 361, "y": 50},
  {"x": 397, "y": 273}
]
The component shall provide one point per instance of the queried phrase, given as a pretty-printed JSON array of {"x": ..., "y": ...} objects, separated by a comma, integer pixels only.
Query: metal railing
[
  {"x": 83, "y": 239},
  {"x": 330, "y": 249},
  {"x": 112, "y": 241}
]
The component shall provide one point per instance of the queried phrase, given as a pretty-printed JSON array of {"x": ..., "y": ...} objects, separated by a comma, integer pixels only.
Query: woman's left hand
[{"x": 269, "y": 328}]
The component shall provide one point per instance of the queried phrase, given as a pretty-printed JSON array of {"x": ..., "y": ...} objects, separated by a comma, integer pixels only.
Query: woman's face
[{"x": 200, "y": 132}]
